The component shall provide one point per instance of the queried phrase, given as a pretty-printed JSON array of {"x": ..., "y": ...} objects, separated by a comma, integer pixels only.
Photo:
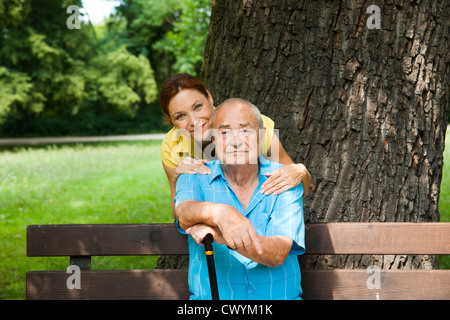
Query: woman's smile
[{"x": 198, "y": 128}]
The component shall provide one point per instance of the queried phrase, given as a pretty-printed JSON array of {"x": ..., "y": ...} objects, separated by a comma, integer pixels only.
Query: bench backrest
[{"x": 80, "y": 242}]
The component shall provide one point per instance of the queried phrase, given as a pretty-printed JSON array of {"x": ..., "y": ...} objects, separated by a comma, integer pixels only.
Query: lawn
[
  {"x": 444, "y": 197},
  {"x": 93, "y": 183}
]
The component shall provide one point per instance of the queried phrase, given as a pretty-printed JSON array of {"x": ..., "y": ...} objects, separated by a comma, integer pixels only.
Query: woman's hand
[
  {"x": 285, "y": 178},
  {"x": 191, "y": 166},
  {"x": 199, "y": 232}
]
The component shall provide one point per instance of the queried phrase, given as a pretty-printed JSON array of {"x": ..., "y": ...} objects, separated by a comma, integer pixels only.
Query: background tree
[
  {"x": 100, "y": 79},
  {"x": 364, "y": 109},
  {"x": 171, "y": 33},
  {"x": 52, "y": 73}
]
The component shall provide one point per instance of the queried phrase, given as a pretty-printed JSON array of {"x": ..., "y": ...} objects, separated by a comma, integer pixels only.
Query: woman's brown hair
[{"x": 172, "y": 86}]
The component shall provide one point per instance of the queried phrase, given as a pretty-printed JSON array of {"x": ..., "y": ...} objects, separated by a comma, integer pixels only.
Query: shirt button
[{"x": 249, "y": 291}]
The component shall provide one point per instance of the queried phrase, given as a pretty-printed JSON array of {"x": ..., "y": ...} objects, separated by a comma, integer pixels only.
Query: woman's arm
[
  {"x": 288, "y": 176},
  {"x": 172, "y": 177}
]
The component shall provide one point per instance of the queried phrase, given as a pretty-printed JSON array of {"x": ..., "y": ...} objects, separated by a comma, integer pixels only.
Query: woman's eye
[
  {"x": 180, "y": 116},
  {"x": 197, "y": 107}
]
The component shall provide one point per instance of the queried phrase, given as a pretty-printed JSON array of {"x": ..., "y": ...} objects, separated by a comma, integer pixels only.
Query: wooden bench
[{"x": 81, "y": 242}]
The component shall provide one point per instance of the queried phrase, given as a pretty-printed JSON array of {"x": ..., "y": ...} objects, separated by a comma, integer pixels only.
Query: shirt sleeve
[
  {"x": 175, "y": 147},
  {"x": 167, "y": 150},
  {"x": 187, "y": 188},
  {"x": 287, "y": 219}
]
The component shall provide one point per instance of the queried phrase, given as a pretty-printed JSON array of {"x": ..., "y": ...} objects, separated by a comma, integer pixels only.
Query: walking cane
[{"x": 211, "y": 267}]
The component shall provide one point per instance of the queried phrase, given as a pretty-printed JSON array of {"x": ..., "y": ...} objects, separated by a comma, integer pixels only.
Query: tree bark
[{"x": 364, "y": 109}]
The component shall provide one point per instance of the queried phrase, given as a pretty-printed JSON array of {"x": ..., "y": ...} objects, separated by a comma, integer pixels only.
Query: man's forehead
[
  {"x": 241, "y": 123},
  {"x": 235, "y": 115}
]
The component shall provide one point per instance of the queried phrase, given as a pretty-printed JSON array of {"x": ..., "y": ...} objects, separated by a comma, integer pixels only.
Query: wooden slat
[
  {"x": 172, "y": 284},
  {"x": 110, "y": 285},
  {"x": 157, "y": 239},
  {"x": 104, "y": 240},
  {"x": 378, "y": 238},
  {"x": 340, "y": 284}
]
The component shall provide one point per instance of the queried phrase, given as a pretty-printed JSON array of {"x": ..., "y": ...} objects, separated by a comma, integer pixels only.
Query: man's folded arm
[
  {"x": 274, "y": 253},
  {"x": 238, "y": 232},
  {"x": 192, "y": 212},
  {"x": 275, "y": 249}
]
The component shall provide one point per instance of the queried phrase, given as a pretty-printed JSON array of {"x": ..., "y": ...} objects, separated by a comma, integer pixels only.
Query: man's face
[{"x": 236, "y": 134}]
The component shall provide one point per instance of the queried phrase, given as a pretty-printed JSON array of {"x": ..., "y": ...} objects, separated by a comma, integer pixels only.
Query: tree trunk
[{"x": 363, "y": 108}]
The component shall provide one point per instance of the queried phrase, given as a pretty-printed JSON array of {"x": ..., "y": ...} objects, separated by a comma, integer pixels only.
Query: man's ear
[
  {"x": 210, "y": 98},
  {"x": 262, "y": 134},
  {"x": 261, "y": 137}
]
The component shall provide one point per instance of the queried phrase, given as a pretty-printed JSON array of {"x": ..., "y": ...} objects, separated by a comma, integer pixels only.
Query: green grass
[
  {"x": 93, "y": 183},
  {"x": 444, "y": 196},
  {"x": 101, "y": 183}
]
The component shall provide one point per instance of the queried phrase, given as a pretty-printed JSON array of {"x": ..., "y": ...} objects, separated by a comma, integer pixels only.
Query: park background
[{"x": 99, "y": 80}]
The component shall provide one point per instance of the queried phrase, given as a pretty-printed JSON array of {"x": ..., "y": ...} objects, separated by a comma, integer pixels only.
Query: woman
[{"x": 189, "y": 107}]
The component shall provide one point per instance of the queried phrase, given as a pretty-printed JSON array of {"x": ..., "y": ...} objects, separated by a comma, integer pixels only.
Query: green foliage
[
  {"x": 120, "y": 80},
  {"x": 12, "y": 12},
  {"x": 140, "y": 24},
  {"x": 171, "y": 33},
  {"x": 187, "y": 40},
  {"x": 51, "y": 75},
  {"x": 16, "y": 90},
  {"x": 48, "y": 70}
]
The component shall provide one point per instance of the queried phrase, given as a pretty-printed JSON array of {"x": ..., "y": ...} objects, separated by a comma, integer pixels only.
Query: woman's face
[{"x": 190, "y": 111}]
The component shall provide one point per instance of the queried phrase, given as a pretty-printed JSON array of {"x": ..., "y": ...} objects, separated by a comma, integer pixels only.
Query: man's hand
[
  {"x": 276, "y": 248},
  {"x": 237, "y": 231},
  {"x": 199, "y": 232}
]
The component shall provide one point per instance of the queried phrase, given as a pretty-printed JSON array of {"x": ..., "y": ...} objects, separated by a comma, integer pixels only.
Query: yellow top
[{"x": 176, "y": 146}]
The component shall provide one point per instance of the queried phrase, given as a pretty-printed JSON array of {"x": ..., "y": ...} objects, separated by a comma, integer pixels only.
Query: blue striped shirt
[{"x": 238, "y": 277}]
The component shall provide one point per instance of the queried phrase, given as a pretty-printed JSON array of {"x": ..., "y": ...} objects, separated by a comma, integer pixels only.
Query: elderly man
[{"x": 257, "y": 236}]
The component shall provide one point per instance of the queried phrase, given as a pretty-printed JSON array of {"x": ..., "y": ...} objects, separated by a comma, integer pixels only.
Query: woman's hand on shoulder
[
  {"x": 285, "y": 178},
  {"x": 192, "y": 166}
]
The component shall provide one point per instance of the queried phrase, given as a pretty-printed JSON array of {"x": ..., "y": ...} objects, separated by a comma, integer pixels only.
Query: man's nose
[{"x": 237, "y": 139}]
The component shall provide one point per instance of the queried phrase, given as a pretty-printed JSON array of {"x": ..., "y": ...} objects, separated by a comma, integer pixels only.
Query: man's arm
[
  {"x": 237, "y": 231},
  {"x": 275, "y": 248},
  {"x": 191, "y": 212},
  {"x": 275, "y": 251}
]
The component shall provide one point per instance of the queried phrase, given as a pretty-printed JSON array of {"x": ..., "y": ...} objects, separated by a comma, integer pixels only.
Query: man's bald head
[{"x": 234, "y": 106}]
